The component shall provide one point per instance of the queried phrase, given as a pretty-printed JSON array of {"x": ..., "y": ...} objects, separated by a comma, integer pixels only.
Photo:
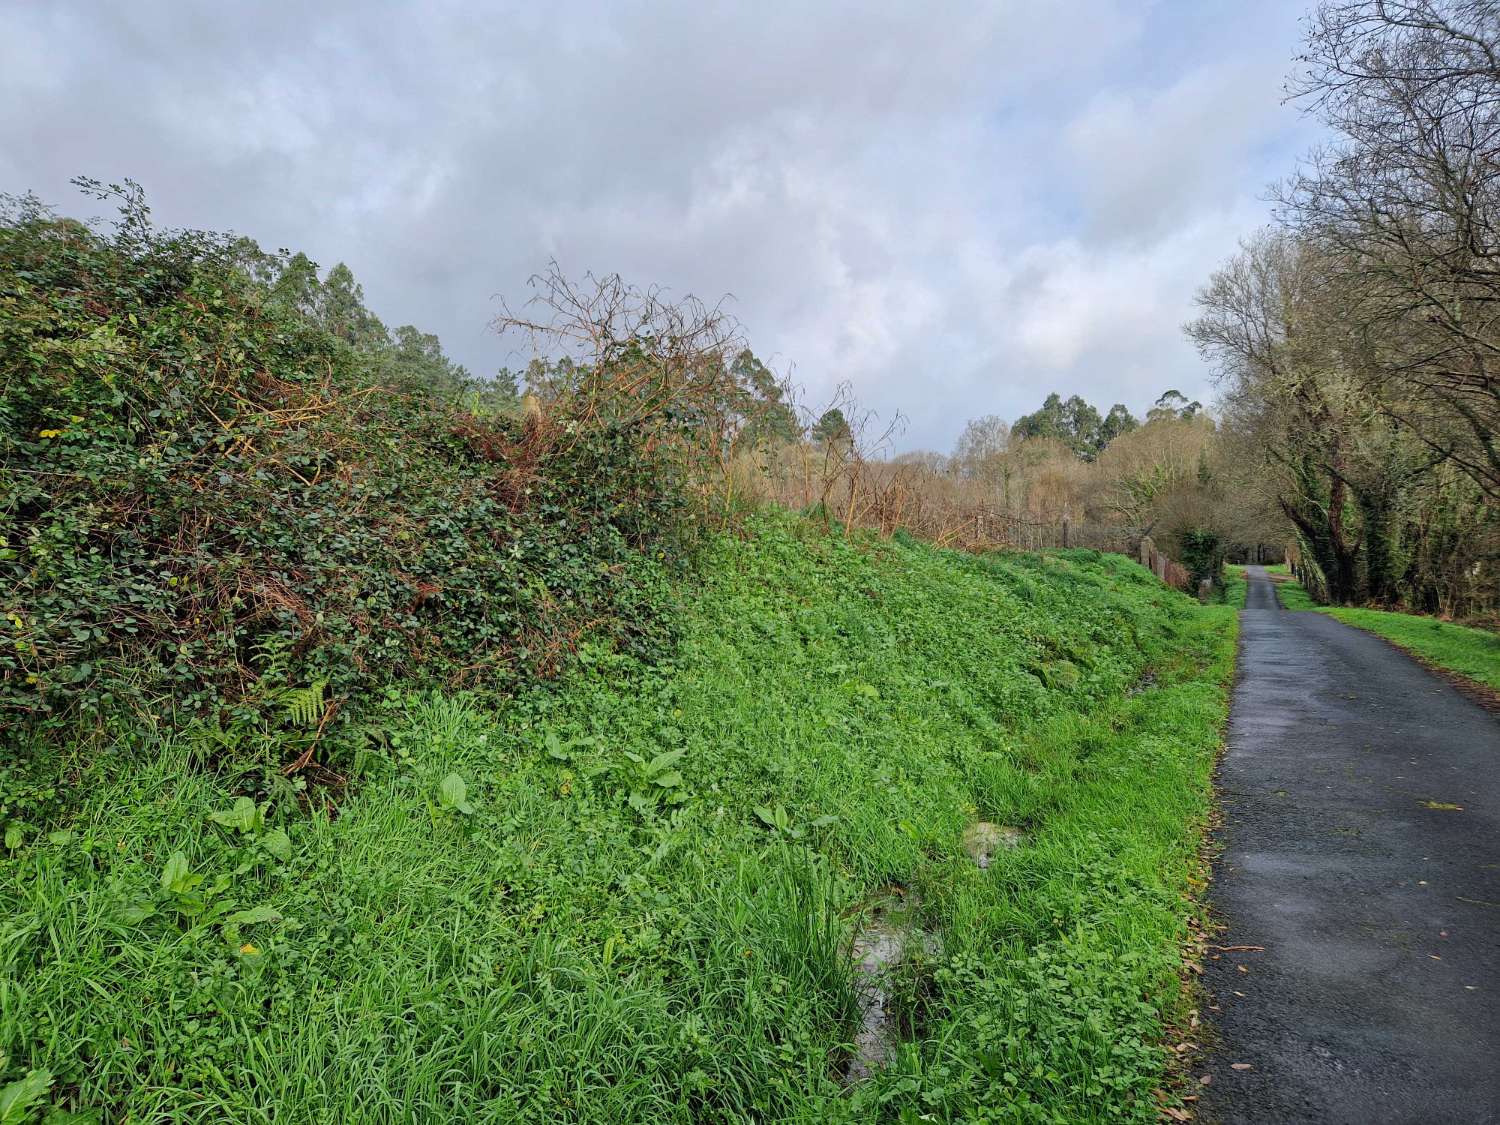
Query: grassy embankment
[
  {"x": 1471, "y": 653},
  {"x": 638, "y": 907},
  {"x": 1236, "y": 587}
]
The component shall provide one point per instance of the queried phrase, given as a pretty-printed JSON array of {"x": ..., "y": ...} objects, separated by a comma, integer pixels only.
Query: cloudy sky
[{"x": 954, "y": 206}]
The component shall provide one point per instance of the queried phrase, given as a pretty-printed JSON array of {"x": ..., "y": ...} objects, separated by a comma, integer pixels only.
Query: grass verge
[
  {"x": 629, "y": 898},
  {"x": 1473, "y": 654},
  {"x": 1236, "y": 586},
  {"x": 1289, "y": 591}
]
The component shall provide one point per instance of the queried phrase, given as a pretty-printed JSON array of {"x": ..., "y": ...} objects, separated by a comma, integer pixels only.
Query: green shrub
[
  {"x": 1202, "y": 553},
  {"x": 208, "y": 501}
]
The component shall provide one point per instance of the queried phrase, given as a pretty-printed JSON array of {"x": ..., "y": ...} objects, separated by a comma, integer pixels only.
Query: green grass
[
  {"x": 1474, "y": 653},
  {"x": 1290, "y": 591},
  {"x": 1236, "y": 586},
  {"x": 610, "y": 938}
]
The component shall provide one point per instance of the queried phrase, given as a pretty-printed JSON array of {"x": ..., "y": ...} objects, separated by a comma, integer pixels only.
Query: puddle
[
  {"x": 984, "y": 840},
  {"x": 878, "y": 948},
  {"x": 889, "y": 935}
]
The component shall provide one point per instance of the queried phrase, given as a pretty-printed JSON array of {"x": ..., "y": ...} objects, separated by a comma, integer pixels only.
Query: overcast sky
[{"x": 955, "y": 206}]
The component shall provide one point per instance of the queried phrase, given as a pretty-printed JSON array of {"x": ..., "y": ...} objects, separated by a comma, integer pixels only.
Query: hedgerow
[{"x": 214, "y": 511}]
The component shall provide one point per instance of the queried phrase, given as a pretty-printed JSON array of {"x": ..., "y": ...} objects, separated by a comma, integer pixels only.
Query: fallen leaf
[
  {"x": 1442, "y": 806},
  {"x": 1240, "y": 1066}
]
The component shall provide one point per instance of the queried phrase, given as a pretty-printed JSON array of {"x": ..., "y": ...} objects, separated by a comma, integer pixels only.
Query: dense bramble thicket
[{"x": 214, "y": 507}]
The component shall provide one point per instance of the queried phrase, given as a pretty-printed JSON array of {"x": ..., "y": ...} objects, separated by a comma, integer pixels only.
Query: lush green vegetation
[
  {"x": 380, "y": 747},
  {"x": 629, "y": 896},
  {"x": 1236, "y": 587}
]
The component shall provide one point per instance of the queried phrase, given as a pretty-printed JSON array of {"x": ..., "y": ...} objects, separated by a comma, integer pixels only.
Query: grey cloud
[{"x": 956, "y": 208}]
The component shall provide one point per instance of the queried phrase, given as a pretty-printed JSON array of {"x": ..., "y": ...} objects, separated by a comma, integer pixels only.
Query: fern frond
[
  {"x": 273, "y": 653},
  {"x": 304, "y": 706}
]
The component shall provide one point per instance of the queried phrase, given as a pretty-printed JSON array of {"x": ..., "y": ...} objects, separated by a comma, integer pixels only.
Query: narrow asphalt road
[{"x": 1361, "y": 869}]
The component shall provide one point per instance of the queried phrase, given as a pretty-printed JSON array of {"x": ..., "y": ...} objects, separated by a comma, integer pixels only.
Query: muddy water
[{"x": 884, "y": 942}]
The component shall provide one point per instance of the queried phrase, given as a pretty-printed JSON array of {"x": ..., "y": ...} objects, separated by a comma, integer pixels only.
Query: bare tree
[
  {"x": 1267, "y": 322},
  {"x": 1408, "y": 199},
  {"x": 982, "y": 440},
  {"x": 675, "y": 368}
]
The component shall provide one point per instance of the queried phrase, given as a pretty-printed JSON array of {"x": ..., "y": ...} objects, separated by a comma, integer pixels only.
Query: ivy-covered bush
[
  {"x": 1202, "y": 551},
  {"x": 213, "y": 509}
]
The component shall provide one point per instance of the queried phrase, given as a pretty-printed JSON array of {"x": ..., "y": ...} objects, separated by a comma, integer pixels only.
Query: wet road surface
[{"x": 1376, "y": 997}]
